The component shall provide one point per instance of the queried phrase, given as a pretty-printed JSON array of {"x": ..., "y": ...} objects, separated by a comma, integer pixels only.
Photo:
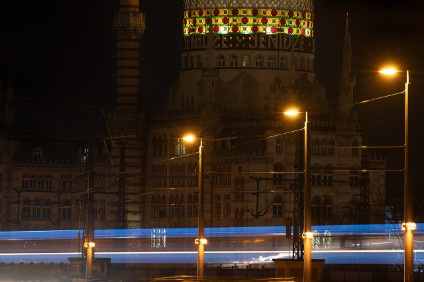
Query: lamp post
[
  {"x": 307, "y": 230},
  {"x": 200, "y": 241},
  {"x": 408, "y": 205}
]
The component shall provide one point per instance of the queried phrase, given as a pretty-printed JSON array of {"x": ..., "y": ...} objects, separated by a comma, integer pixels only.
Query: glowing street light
[
  {"x": 307, "y": 232},
  {"x": 408, "y": 225},
  {"x": 89, "y": 262},
  {"x": 200, "y": 241}
]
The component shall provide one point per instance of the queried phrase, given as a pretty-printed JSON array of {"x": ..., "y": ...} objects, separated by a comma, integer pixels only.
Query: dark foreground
[{"x": 187, "y": 272}]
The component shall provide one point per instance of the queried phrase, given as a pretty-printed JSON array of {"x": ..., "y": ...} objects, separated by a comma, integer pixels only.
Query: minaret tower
[
  {"x": 126, "y": 120},
  {"x": 129, "y": 27},
  {"x": 347, "y": 80}
]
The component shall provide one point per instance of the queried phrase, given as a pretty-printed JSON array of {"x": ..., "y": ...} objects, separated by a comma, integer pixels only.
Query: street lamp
[
  {"x": 307, "y": 232},
  {"x": 89, "y": 262},
  {"x": 200, "y": 241},
  {"x": 408, "y": 225}
]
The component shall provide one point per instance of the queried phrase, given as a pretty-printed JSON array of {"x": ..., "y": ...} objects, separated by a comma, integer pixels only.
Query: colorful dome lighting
[{"x": 290, "y": 17}]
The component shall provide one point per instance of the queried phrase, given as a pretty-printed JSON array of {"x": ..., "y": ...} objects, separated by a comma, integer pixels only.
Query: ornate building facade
[{"x": 243, "y": 63}]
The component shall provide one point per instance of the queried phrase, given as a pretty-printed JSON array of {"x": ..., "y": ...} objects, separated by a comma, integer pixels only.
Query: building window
[
  {"x": 199, "y": 61},
  {"x": 354, "y": 178},
  {"x": 278, "y": 174},
  {"x": 172, "y": 204},
  {"x": 277, "y": 207},
  {"x": 331, "y": 145},
  {"x": 283, "y": 62},
  {"x": 190, "y": 62},
  {"x": 181, "y": 206},
  {"x": 190, "y": 207},
  {"x": 271, "y": 62},
  {"x": 221, "y": 61},
  {"x": 222, "y": 175},
  {"x": 218, "y": 206},
  {"x": 66, "y": 183},
  {"x": 26, "y": 209},
  {"x": 192, "y": 174},
  {"x": 227, "y": 200},
  {"x": 245, "y": 61},
  {"x": 239, "y": 188},
  {"x": 355, "y": 148},
  {"x": 37, "y": 154},
  {"x": 316, "y": 206},
  {"x": 233, "y": 61},
  {"x": 259, "y": 61},
  {"x": 279, "y": 146},
  {"x": 302, "y": 64},
  {"x": 25, "y": 182},
  {"x": 328, "y": 206},
  {"x": 327, "y": 176},
  {"x": 179, "y": 147},
  {"x": 65, "y": 209}
]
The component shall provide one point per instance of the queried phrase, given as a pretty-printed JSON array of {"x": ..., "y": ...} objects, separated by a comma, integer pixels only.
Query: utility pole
[
  {"x": 121, "y": 215},
  {"x": 88, "y": 233}
]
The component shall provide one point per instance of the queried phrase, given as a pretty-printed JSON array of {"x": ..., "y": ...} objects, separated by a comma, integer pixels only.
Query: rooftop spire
[{"x": 347, "y": 80}]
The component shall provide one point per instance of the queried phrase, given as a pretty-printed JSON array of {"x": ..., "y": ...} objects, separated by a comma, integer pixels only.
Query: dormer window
[{"x": 37, "y": 154}]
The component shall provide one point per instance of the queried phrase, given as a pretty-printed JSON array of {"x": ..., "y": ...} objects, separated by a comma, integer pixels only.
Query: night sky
[{"x": 62, "y": 55}]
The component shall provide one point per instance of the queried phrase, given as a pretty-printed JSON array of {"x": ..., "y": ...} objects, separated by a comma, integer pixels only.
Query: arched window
[
  {"x": 233, "y": 61},
  {"x": 259, "y": 61},
  {"x": 221, "y": 61},
  {"x": 245, "y": 61},
  {"x": 271, "y": 62}
]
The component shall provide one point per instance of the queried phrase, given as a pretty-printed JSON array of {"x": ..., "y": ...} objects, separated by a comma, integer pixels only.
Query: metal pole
[
  {"x": 201, "y": 217},
  {"x": 408, "y": 201},
  {"x": 90, "y": 198},
  {"x": 307, "y": 235}
]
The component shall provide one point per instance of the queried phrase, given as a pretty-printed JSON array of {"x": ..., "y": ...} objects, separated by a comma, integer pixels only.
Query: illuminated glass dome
[{"x": 290, "y": 17}]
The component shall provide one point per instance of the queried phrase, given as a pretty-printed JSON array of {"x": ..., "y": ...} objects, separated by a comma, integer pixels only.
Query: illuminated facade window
[{"x": 246, "y": 61}]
